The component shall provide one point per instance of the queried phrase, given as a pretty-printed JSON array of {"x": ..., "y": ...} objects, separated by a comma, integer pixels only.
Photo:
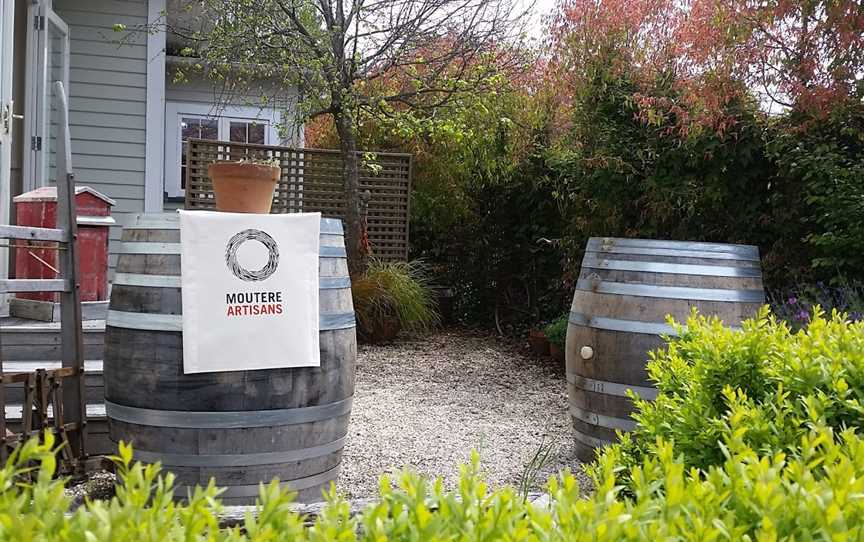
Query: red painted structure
[{"x": 39, "y": 208}]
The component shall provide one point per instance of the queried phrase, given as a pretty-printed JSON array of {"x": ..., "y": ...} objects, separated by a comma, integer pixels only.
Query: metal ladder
[{"x": 54, "y": 398}]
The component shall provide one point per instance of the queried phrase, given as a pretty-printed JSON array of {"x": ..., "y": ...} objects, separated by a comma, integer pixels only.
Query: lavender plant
[{"x": 795, "y": 304}]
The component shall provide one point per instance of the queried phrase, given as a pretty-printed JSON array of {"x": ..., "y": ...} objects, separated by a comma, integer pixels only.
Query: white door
[
  {"x": 7, "y": 124},
  {"x": 7, "y": 18},
  {"x": 47, "y": 61}
]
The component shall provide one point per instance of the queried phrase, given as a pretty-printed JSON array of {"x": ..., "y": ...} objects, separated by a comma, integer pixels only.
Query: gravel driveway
[{"x": 426, "y": 402}]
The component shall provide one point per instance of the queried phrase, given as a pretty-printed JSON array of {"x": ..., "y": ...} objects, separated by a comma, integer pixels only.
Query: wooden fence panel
[{"x": 311, "y": 181}]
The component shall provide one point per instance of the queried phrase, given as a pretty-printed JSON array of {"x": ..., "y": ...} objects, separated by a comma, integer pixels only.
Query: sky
[{"x": 540, "y": 9}]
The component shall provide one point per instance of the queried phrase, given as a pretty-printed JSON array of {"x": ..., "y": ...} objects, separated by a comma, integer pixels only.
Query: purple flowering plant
[{"x": 795, "y": 304}]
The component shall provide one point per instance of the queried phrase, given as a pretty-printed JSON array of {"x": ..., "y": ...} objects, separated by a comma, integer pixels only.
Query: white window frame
[
  {"x": 38, "y": 91},
  {"x": 175, "y": 111}
]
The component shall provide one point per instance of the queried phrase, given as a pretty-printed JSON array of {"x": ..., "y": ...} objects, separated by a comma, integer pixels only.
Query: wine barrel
[
  {"x": 240, "y": 427},
  {"x": 626, "y": 288}
]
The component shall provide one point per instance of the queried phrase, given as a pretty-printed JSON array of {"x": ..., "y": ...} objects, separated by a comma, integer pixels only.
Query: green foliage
[
  {"x": 814, "y": 495},
  {"x": 397, "y": 291},
  {"x": 823, "y": 162},
  {"x": 480, "y": 208},
  {"x": 532, "y": 470},
  {"x": 748, "y": 496},
  {"x": 505, "y": 261},
  {"x": 556, "y": 332},
  {"x": 484, "y": 216},
  {"x": 764, "y": 387},
  {"x": 626, "y": 167}
]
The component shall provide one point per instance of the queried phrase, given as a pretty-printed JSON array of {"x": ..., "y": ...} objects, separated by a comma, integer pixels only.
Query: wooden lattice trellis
[{"x": 312, "y": 182}]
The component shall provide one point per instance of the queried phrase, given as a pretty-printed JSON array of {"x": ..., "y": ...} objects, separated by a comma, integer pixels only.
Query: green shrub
[
  {"x": 822, "y": 161},
  {"x": 556, "y": 331},
  {"x": 393, "y": 291},
  {"x": 814, "y": 496},
  {"x": 778, "y": 383},
  {"x": 753, "y": 437}
]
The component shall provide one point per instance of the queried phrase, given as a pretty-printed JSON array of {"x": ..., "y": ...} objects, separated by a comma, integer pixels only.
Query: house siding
[
  {"x": 108, "y": 87},
  {"x": 107, "y": 101}
]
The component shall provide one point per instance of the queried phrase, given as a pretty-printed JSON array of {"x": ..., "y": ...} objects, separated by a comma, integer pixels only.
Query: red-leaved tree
[{"x": 801, "y": 54}]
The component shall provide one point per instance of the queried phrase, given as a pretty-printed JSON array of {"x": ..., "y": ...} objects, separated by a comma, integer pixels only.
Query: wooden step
[
  {"x": 98, "y": 442},
  {"x": 93, "y": 381},
  {"x": 90, "y": 366},
  {"x": 94, "y": 411},
  {"x": 30, "y": 340},
  {"x": 34, "y": 285}
]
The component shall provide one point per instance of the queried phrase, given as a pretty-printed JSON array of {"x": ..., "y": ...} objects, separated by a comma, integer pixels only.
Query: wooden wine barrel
[
  {"x": 240, "y": 427},
  {"x": 625, "y": 290}
]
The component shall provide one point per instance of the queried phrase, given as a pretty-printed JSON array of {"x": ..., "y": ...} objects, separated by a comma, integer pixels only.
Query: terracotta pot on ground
[
  {"x": 243, "y": 187},
  {"x": 557, "y": 352},
  {"x": 383, "y": 332},
  {"x": 539, "y": 342}
]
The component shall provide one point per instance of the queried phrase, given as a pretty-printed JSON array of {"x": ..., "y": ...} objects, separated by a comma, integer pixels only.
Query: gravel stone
[
  {"x": 425, "y": 402},
  {"x": 97, "y": 485}
]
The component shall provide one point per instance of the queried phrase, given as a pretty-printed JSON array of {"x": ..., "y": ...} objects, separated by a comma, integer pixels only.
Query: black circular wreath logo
[{"x": 241, "y": 272}]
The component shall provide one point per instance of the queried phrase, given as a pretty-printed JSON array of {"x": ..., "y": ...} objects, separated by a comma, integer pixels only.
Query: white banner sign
[{"x": 250, "y": 291}]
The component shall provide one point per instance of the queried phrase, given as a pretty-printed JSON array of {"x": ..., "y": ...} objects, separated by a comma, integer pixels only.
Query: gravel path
[{"x": 426, "y": 402}]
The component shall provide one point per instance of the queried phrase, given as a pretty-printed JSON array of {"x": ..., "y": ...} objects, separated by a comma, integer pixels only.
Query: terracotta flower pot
[
  {"x": 382, "y": 332},
  {"x": 539, "y": 342},
  {"x": 243, "y": 187}
]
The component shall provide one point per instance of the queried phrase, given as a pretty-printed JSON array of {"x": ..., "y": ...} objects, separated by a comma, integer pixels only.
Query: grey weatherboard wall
[{"x": 107, "y": 101}]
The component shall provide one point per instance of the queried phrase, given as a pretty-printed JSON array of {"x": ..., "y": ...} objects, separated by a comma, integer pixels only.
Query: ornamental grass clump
[
  {"x": 393, "y": 296},
  {"x": 776, "y": 382}
]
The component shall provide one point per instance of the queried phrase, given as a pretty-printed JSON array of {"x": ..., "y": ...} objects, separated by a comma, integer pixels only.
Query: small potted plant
[
  {"x": 244, "y": 186},
  {"x": 538, "y": 341},
  {"x": 390, "y": 297},
  {"x": 556, "y": 332}
]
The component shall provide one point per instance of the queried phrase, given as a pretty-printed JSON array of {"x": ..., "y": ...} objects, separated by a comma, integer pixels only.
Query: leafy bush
[
  {"x": 765, "y": 386},
  {"x": 822, "y": 159},
  {"x": 480, "y": 209},
  {"x": 395, "y": 292},
  {"x": 812, "y": 496},
  {"x": 556, "y": 332}
]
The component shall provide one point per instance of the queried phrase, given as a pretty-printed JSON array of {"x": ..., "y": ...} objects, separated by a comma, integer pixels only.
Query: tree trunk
[{"x": 355, "y": 230}]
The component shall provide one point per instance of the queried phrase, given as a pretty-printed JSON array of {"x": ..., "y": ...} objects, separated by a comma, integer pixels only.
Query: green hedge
[
  {"x": 814, "y": 496},
  {"x": 766, "y": 386},
  {"x": 753, "y": 437}
]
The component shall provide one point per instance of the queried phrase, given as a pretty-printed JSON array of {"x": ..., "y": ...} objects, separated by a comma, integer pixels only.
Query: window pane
[
  {"x": 188, "y": 128},
  {"x": 238, "y": 132},
  {"x": 256, "y": 133},
  {"x": 209, "y": 129}
]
